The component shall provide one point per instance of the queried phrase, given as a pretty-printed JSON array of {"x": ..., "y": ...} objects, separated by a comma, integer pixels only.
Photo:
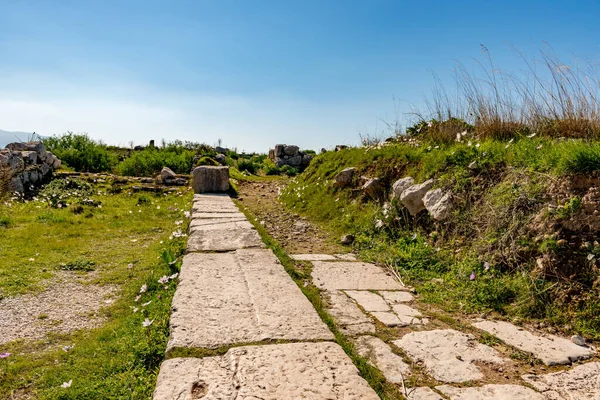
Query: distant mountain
[{"x": 10, "y": 137}]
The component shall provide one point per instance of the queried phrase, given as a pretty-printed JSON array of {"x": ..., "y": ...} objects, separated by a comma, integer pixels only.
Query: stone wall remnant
[
  {"x": 209, "y": 179},
  {"x": 29, "y": 165},
  {"x": 283, "y": 154}
]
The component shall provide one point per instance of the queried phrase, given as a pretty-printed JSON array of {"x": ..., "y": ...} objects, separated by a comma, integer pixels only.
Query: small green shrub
[
  {"x": 5, "y": 221},
  {"x": 61, "y": 191},
  {"x": 248, "y": 166},
  {"x": 78, "y": 265},
  {"x": 289, "y": 170},
  {"x": 584, "y": 159},
  {"x": 81, "y": 153},
  {"x": 207, "y": 161},
  {"x": 143, "y": 200}
]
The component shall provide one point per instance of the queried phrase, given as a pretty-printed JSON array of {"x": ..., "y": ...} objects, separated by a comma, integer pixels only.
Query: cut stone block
[
  {"x": 396, "y": 297},
  {"x": 381, "y": 356},
  {"x": 211, "y": 197},
  {"x": 352, "y": 275},
  {"x": 449, "y": 355},
  {"x": 219, "y": 224},
  {"x": 369, "y": 301},
  {"x": 308, "y": 371},
  {"x": 422, "y": 393},
  {"x": 313, "y": 257},
  {"x": 581, "y": 383},
  {"x": 210, "y": 179},
  {"x": 215, "y": 208},
  {"x": 551, "y": 349},
  {"x": 213, "y": 215},
  {"x": 216, "y": 221},
  {"x": 408, "y": 315},
  {"x": 224, "y": 240},
  {"x": 387, "y": 318},
  {"x": 347, "y": 315},
  {"x": 239, "y": 297},
  {"x": 345, "y": 257},
  {"x": 490, "y": 392}
]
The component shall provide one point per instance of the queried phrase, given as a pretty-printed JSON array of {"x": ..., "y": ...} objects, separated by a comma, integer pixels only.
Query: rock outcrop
[
  {"x": 291, "y": 155},
  {"x": 344, "y": 177},
  {"x": 29, "y": 165},
  {"x": 412, "y": 198},
  {"x": 438, "y": 203},
  {"x": 400, "y": 186}
]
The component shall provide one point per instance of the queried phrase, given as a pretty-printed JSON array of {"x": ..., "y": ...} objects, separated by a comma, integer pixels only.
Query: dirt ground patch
[
  {"x": 67, "y": 304},
  {"x": 296, "y": 234}
]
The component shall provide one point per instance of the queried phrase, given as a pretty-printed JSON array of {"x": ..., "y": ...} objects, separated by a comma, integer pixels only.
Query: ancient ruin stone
[
  {"x": 381, "y": 356},
  {"x": 550, "y": 349},
  {"x": 313, "y": 257},
  {"x": 490, "y": 392},
  {"x": 221, "y": 150},
  {"x": 166, "y": 173},
  {"x": 438, "y": 204},
  {"x": 373, "y": 188},
  {"x": 209, "y": 179},
  {"x": 347, "y": 239},
  {"x": 369, "y": 301},
  {"x": 449, "y": 355},
  {"x": 220, "y": 158},
  {"x": 311, "y": 371},
  {"x": 408, "y": 315},
  {"x": 400, "y": 186},
  {"x": 412, "y": 197},
  {"x": 344, "y": 178},
  {"x": 387, "y": 318},
  {"x": 352, "y": 275},
  {"x": 347, "y": 315},
  {"x": 397, "y": 297},
  {"x": 291, "y": 150},
  {"x": 226, "y": 239},
  {"x": 239, "y": 297},
  {"x": 581, "y": 383},
  {"x": 422, "y": 393},
  {"x": 29, "y": 164}
]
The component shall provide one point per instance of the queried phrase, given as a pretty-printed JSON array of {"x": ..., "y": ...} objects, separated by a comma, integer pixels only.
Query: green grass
[{"x": 127, "y": 245}]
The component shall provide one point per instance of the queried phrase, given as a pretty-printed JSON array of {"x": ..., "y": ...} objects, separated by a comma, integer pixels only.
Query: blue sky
[{"x": 255, "y": 73}]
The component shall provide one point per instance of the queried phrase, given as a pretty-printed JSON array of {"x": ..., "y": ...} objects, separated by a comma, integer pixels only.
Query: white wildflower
[{"x": 147, "y": 323}]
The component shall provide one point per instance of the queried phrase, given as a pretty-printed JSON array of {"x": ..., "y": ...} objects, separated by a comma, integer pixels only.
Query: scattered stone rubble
[
  {"x": 291, "y": 155},
  {"x": 29, "y": 164},
  {"x": 414, "y": 197}
]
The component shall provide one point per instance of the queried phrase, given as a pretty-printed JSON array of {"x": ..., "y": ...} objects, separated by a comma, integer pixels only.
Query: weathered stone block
[
  {"x": 412, "y": 198},
  {"x": 344, "y": 178},
  {"x": 400, "y": 186},
  {"x": 209, "y": 179}
]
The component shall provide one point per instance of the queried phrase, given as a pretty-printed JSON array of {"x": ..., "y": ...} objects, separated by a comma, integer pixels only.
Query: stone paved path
[
  {"x": 235, "y": 298},
  {"x": 236, "y": 303},
  {"x": 382, "y": 318}
]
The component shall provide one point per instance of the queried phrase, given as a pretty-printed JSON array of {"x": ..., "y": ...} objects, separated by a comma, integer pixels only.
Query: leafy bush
[
  {"x": 289, "y": 170},
  {"x": 81, "y": 153},
  {"x": 151, "y": 160},
  {"x": 584, "y": 159},
  {"x": 248, "y": 166},
  {"x": 60, "y": 191}
]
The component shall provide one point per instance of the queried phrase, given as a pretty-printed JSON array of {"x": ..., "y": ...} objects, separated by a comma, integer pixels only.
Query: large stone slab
[
  {"x": 352, "y": 275},
  {"x": 313, "y": 257},
  {"x": 579, "y": 383},
  {"x": 408, "y": 315},
  {"x": 369, "y": 301},
  {"x": 307, "y": 371},
  {"x": 213, "y": 215},
  {"x": 449, "y": 355},
  {"x": 490, "y": 392},
  {"x": 381, "y": 356},
  {"x": 215, "y": 208},
  {"x": 211, "y": 197},
  {"x": 239, "y": 297},
  {"x": 347, "y": 315},
  {"x": 551, "y": 349},
  {"x": 422, "y": 393},
  {"x": 219, "y": 224},
  {"x": 210, "y": 179},
  {"x": 224, "y": 240},
  {"x": 396, "y": 297}
]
